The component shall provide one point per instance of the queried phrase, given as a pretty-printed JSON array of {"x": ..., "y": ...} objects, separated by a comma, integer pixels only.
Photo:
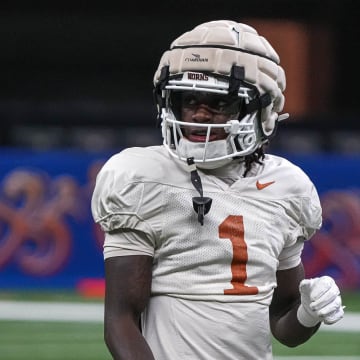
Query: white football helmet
[{"x": 232, "y": 60}]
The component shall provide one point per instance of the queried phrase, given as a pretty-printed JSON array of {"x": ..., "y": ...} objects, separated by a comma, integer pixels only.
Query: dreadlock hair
[{"x": 256, "y": 157}]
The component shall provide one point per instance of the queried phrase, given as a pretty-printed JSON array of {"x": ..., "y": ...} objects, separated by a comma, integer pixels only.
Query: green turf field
[
  {"x": 325, "y": 343},
  {"x": 79, "y": 341},
  {"x": 51, "y": 341}
]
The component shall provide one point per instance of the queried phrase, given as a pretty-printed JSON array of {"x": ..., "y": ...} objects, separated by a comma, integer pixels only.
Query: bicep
[
  {"x": 127, "y": 285},
  {"x": 127, "y": 291}
]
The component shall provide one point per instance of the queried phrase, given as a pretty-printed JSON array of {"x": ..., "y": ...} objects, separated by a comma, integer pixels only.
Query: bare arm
[
  {"x": 128, "y": 283},
  {"x": 286, "y": 299}
]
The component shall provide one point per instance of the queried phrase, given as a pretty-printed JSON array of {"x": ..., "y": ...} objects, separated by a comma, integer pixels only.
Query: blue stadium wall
[{"x": 48, "y": 239}]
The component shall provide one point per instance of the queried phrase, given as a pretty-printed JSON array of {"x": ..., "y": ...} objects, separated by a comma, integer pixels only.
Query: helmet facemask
[{"x": 241, "y": 128}]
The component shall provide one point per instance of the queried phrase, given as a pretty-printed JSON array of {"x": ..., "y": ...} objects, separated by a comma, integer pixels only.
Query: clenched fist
[{"x": 320, "y": 301}]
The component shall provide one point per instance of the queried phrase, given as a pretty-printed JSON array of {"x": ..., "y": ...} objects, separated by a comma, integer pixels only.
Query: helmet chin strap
[{"x": 201, "y": 204}]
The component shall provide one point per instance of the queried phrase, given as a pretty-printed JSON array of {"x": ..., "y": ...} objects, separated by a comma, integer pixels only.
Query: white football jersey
[{"x": 224, "y": 269}]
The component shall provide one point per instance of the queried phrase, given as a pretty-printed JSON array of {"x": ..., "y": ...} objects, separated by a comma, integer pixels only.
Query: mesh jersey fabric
[{"x": 230, "y": 262}]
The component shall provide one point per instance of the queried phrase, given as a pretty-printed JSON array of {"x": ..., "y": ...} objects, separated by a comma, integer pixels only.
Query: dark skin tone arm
[
  {"x": 128, "y": 284},
  {"x": 286, "y": 299}
]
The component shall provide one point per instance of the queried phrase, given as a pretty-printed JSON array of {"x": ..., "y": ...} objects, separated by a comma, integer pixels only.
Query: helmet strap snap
[{"x": 201, "y": 204}]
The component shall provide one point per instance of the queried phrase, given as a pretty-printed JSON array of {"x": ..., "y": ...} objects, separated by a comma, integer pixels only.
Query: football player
[{"x": 204, "y": 233}]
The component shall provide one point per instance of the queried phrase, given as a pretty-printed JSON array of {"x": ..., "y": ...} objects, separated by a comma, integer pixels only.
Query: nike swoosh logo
[{"x": 261, "y": 186}]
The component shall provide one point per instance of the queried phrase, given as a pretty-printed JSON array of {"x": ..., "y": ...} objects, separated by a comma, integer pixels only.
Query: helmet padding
[
  {"x": 216, "y": 46},
  {"x": 219, "y": 47}
]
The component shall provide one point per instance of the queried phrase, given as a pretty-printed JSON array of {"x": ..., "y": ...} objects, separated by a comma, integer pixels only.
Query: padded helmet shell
[{"x": 216, "y": 46}]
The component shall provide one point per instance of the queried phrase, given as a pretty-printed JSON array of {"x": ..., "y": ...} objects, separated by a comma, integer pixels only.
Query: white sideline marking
[
  {"x": 94, "y": 312},
  {"x": 51, "y": 311},
  {"x": 315, "y": 357},
  {"x": 350, "y": 322}
]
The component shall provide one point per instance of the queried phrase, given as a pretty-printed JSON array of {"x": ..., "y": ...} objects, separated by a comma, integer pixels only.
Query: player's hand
[{"x": 320, "y": 301}]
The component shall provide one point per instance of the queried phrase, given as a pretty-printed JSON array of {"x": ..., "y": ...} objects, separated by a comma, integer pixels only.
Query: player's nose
[{"x": 202, "y": 114}]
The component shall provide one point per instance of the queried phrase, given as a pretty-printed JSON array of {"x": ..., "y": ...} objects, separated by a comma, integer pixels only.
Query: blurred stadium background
[{"x": 77, "y": 87}]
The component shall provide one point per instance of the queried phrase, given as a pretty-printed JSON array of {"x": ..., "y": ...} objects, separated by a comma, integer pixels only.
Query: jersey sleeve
[
  {"x": 127, "y": 242},
  {"x": 311, "y": 213},
  {"x": 290, "y": 256},
  {"x": 123, "y": 202},
  {"x": 305, "y": 214},
  {"x": 305, "y": 218}
]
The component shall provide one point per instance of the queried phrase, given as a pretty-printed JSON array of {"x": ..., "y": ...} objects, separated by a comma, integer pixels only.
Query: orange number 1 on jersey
[{"x": 233, "y": 228}]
